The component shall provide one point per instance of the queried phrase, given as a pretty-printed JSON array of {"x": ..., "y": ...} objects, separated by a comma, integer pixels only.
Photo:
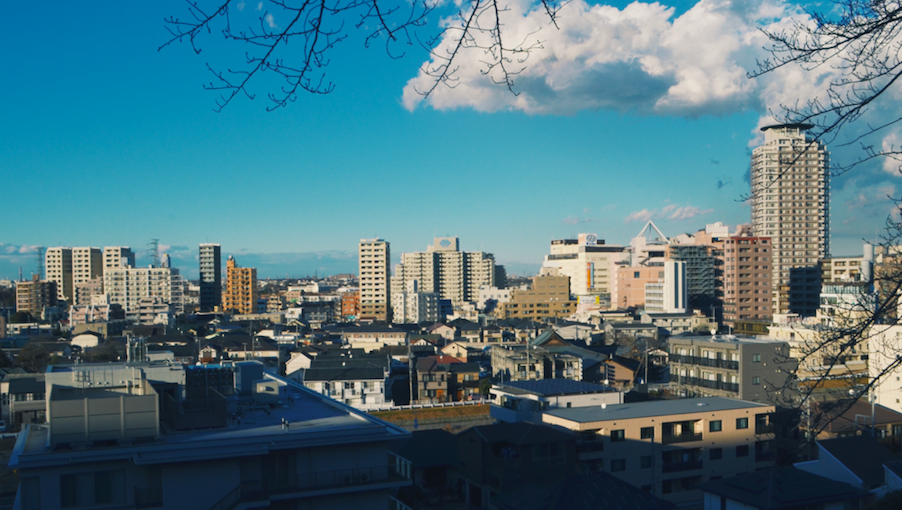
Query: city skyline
[{"x": 131, "y": 150}]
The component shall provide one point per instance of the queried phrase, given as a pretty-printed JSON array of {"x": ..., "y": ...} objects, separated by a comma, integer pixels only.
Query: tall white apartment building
[
  {"x": 118, "y": 256},
  {"x": 127, "y": 286},
  {"x": 87, "y": 264},
  {"x": 670, "y": 293},
  {"x": 791, "y": 202},
  {"x": 444, "y": 269},
  {"x": 58, "y": 268},
  {"x": 375, "y": 292},
  {"x": 590, "y": 264}
]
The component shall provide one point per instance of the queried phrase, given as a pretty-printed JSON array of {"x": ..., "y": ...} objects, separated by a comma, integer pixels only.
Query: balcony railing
[
  {"x": 672, "y": 467},
  {"x": 589, "y": 446},
  {"x": 705, "y": 362},
  {"x": 705, "y": 383},
  {"x": 681, "y": 438}
]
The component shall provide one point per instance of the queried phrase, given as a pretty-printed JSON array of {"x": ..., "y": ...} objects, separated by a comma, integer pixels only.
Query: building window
[
  {"x": 715, "y": 426},
  {"x": 742, "y": 450},
  {"x": 715, "y": 453},
  {"x": 645, "y": 461},
  {"x": 619, "y": 465},
  {"x": 756, "y": 380},
  {"x": 756, "y": 358},
  {"x": 647, "y": 433},
  {"x": 617, "y": 436},
  {"x": 742, "y": 423}
]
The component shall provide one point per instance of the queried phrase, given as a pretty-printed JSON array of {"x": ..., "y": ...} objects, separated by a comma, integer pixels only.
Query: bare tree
[
  {"x": 294, "y": 39},
  {"x": 862, "y": 45}
]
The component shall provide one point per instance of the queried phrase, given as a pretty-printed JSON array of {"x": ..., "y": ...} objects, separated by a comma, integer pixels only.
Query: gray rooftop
[
  {"x": 652, "y": 408},
  {"x": 552, "y": 387}
]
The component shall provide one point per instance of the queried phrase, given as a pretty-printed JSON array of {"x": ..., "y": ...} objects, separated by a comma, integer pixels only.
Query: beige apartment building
[
  {"x": 791, "y": 206},
  {"x": 668, "y": 446},
  {"x": 548, "y": 297},
  {"x": 118, "y": 256},
  {"x": 452, "y": 274},
  {"x": 58, "y": 268},
  {"x": 87, "y": 264},
  {"x": 375, "y": 293},
  {"x": 241, "y": 288},
  {"x": 747, "y": 279},
  {"x": 34, "y": 296}
]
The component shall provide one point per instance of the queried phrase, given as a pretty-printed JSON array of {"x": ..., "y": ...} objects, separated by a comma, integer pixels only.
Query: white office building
[{"x": 590, "y": 264}]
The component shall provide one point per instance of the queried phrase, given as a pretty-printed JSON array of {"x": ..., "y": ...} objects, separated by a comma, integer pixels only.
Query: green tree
[{"x": 485, "y": 385}]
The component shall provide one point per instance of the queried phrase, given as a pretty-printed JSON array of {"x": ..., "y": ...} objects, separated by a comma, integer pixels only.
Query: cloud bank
[{"x": 642, "y": 59}]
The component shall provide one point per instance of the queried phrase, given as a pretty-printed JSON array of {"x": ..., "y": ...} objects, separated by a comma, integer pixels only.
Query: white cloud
[
  {"x": 259, "y": 7},
  {"x": 644, "y": 60},
  {"x": 672, "y": 212},
  {"x": 892, "y": 142},
  {"x": 240, "y": 6},
  {"x": 270, "y": 21}
]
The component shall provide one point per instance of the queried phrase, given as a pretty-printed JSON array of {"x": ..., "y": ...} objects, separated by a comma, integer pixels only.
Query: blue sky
[{"x": 106, "y": 141}]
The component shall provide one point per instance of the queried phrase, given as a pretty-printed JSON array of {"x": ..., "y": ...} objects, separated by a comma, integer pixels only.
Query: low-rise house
[
  {"x": 463, "y": 381},
  {"x": 371, "y": 337},
  {"x": 350, "y": 376},
  {"x": 433, "y": 375},
  {"x": 23, "y": 399},
  {"x": 857, "y": 461},
  {"x": 779, "y": 489},
  {"x": 677, "y": 323}
]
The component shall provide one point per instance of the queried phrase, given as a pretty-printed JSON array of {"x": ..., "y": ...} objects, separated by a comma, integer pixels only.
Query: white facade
[
  {"x": 375, "y": 293},
  {"x": 87, "y": 264},
  {"x": 118, "y": 256},
  {"x": 58, "y": 268},
  {"x": 127, "y": 286},
  {"x": 592, "y": 267},
  {"x": 791, "y": 200},
  {"x": 884, "y": 345},
  {"x": 671, "y": 294}
]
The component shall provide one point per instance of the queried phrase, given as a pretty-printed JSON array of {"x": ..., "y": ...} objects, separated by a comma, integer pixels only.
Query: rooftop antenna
[{"x": 154, "y": 251}]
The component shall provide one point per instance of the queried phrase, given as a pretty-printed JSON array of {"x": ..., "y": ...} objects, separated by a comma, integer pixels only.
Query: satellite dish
[
  {"x": 607, "y": 382},
  {"x": 603, "y": 406}
]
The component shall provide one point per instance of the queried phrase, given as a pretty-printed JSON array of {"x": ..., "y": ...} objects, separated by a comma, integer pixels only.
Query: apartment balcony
[
  {"x": 673, "y": 467},
  {"x": 705, "y": 362},
  {"x": 681, "y": 438},
  {"x": 764, "y": 429}
]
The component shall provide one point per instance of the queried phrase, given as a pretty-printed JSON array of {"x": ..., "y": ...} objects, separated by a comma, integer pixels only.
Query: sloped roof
[
  {"x": 592, "y": 490},
  {"x": 784, "y": 487},
  {"x": 349, "y": 373},
  {"x": 862, "y": 455}
]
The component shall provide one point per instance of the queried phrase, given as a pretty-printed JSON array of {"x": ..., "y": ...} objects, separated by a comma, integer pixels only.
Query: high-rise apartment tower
[
  {"x": 375, "y": 294},
  {"x": 791, "y": 204},
  {"x": 58, "y": 268},
  {"x": 241, "y": 288},
  {"x": 210, "y": 277}
]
